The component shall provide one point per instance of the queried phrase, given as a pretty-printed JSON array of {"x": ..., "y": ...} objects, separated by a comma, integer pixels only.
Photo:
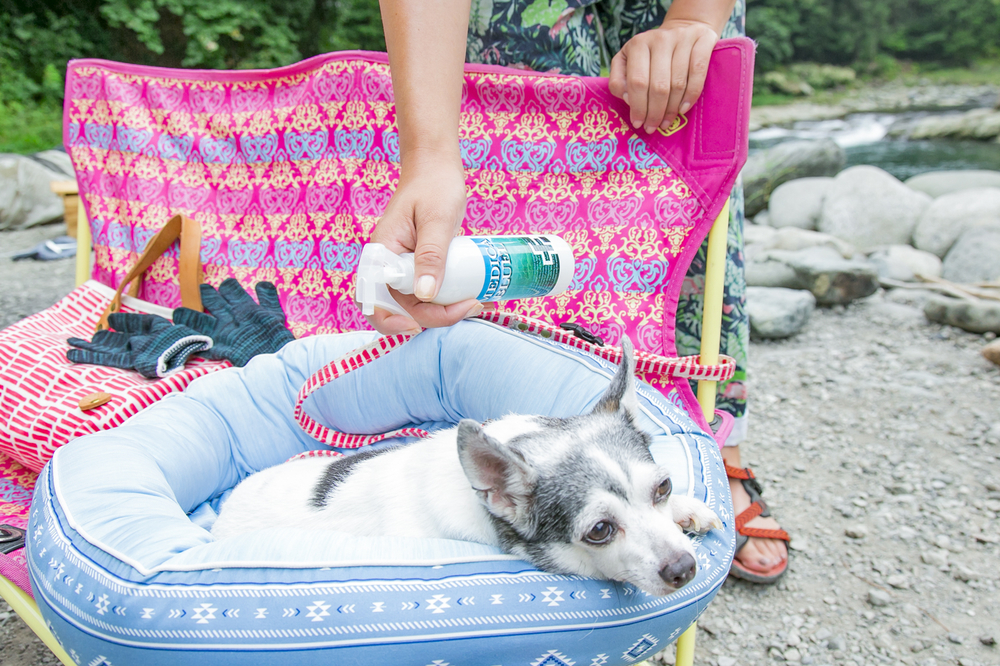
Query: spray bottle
[{"x": 486, "y": 268}]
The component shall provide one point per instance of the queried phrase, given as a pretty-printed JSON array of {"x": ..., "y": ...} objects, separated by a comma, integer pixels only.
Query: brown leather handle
[{"x": 189, "y": 274}]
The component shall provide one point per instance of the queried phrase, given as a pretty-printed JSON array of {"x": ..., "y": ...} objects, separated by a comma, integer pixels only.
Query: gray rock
[
  {"x": 938, "y": 183},
  {"x": 975, "y": 256},
  {"x": 765, "y": 270},
  {"x": 25, "y": 197},
  {"x": 869, "y": 207},
  {"x": 856, "y": 531},
  {"x": 787, "y": 161},
  {"x": 904, "y": 263},
  {"x": 963, "y": 574},
  {"x": 879, "y": 598},
  {"x": 763, "y": 218},
  {"x": 793, "y": 238},
  {"x": 977, "y": 316},
  {"x": 981, "y": 124},
  {"x": 898, "y": 581},
  {"x": 956, "y": 638},
  {"x": 759, "y": 234},
  {"x": 950, "y": 215},
  {"x": 916, "y": 298},
  {"x": 778, "y": 313},
  {"x": 988, "y": 640},
  {"x": 771, "y": 273},
  {"x": 937, "y": 557},
  {"x": 832, "y": 279},
  {"x": 798, "y": 203}
]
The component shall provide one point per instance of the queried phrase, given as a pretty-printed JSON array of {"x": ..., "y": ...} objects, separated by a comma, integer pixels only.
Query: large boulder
[
  {"x": 977, "y": 316},
  {"x": 798, "y": 203},
  {"x": 770, "y": 272},
  {"x": 820, "y": 270},
  {"x": 868, "y": 207},
  {"x": 787, "y": 161},
  {"x": 793, "y": 238},
  {"x": 26, "y": 199},
  {"x": 980, "y": 124},
  {"x": 939, "y": 183},
  {"x": 905, "y": 263},
  {"x": 975, "y": 256},
  {"x": 950, "y": 215},
  {"x": 778, "y": 313}
]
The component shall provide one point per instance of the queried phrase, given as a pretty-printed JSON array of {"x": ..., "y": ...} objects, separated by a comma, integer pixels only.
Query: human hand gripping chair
[{"x": 287, "y": 172}]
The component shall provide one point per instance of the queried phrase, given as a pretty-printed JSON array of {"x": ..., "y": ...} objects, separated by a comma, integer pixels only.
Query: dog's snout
[{"x": 679, "y": 573}]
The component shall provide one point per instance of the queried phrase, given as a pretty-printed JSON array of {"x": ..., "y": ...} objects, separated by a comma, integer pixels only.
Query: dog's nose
[{"x": 679, "y": 573}]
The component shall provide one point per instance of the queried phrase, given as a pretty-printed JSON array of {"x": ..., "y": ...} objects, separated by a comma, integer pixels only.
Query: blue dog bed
[{"x": 125, "y": 570}]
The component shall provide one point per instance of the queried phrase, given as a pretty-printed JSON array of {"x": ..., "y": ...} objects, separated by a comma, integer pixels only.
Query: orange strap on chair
[{"x": 189, "y": 274}]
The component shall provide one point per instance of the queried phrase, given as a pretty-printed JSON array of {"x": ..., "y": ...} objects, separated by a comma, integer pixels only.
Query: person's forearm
[
  {"x": 426, "y": 44},
  {"x": 714, "y": 13}
]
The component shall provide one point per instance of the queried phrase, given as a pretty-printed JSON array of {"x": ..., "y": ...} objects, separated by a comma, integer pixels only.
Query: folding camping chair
[{"x": 147, "y": 143}]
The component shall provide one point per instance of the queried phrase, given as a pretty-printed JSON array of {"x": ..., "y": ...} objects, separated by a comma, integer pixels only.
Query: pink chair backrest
[{"x": 288, "y": 171}]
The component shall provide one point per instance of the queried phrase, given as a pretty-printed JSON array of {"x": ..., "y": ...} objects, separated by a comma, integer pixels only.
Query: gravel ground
[{"x": 877, "y": 435}]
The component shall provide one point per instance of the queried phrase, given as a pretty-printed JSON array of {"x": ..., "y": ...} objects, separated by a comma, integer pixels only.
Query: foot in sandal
[{"x": 762, "y": 546}]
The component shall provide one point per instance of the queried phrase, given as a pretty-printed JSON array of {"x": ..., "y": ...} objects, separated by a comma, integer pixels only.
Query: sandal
[{"x": 743, "y": 533}]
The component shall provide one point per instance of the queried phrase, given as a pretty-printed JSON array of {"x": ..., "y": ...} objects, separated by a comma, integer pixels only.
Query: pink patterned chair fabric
[{"x": 289, "y": 170}]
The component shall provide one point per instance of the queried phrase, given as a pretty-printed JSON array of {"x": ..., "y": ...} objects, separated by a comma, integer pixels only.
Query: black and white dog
[{"x": 578, "y": 495}]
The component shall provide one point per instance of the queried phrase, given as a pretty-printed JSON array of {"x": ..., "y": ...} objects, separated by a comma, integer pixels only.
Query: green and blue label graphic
[{"x": 517, "y": 267}]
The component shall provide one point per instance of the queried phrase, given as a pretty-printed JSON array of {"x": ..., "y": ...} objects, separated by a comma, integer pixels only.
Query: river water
[{"x": 863, "y": 136}]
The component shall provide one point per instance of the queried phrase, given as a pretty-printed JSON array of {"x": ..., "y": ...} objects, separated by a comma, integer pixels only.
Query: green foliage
[
  {"x": 29, "y": 128},
  {"x": 871, "y": 34},
  {"x": 38, "y": 37}
]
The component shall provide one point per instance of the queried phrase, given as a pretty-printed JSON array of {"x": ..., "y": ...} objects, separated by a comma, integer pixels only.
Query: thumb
[{"x": 433, "y": 240}]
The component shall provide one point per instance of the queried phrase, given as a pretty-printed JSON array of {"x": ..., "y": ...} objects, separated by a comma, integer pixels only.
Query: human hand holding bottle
[{"x": 426, "y": 45}]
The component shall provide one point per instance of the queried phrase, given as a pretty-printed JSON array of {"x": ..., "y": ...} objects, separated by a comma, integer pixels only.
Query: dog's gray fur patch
[
  {"x": 564, "y": 486},
  {"x": 337, "y": 473}
]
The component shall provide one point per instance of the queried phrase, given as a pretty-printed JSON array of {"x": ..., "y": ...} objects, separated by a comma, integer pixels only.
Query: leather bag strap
[{"x": 189, "y": 273}]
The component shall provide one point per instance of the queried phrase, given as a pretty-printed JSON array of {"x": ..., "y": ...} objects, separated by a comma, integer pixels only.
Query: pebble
[
  {"x": 987, "y": 640},
  {"x": 937, "y": 558},
  {"x": 726, "y": 661},
  {"x": 879, "y": 598},
  {"x": 898, "y": 581},
  {"x": 955, "y": 638},
  {"x": 856, "y": 531},
  {"x": 792, "y": 654}
]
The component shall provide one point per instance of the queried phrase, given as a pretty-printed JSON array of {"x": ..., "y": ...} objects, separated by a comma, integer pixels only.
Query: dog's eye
[
  {"x": 601, "y": 533},
  {"x": 663, "y": 490}
]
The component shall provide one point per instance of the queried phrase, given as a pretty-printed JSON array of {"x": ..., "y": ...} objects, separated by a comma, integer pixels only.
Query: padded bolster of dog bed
[{"x": 128, "y": 491}]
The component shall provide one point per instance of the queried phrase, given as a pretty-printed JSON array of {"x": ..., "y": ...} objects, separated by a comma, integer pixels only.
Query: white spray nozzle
[{"x": 377, "y": 268}]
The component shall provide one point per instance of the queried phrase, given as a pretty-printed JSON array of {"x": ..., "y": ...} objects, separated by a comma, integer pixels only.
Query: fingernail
[
  {"x": 490, "y": 307},
  {"x": 625, "y": 97},
  {"x": 474, "y": 310},
  {"x": 413, "y": 331},
  {"x": 636, "y": 123},
  {"x": 685, "y": 106},
  {"x": 649, "y": 129},
  {"x": 424, "y": 289}
]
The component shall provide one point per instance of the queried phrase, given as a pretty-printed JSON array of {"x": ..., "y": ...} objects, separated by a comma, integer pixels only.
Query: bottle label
[{"x": 517, "y": 266}]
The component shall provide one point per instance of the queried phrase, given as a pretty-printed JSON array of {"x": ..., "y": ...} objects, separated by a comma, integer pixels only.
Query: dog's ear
[
  {"x": 498, "y": 474},
  {"x": 620, "y": 396}
]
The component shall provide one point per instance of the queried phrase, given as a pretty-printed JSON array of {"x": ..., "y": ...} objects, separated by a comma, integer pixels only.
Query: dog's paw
[{"x": 693, "y": 515}]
